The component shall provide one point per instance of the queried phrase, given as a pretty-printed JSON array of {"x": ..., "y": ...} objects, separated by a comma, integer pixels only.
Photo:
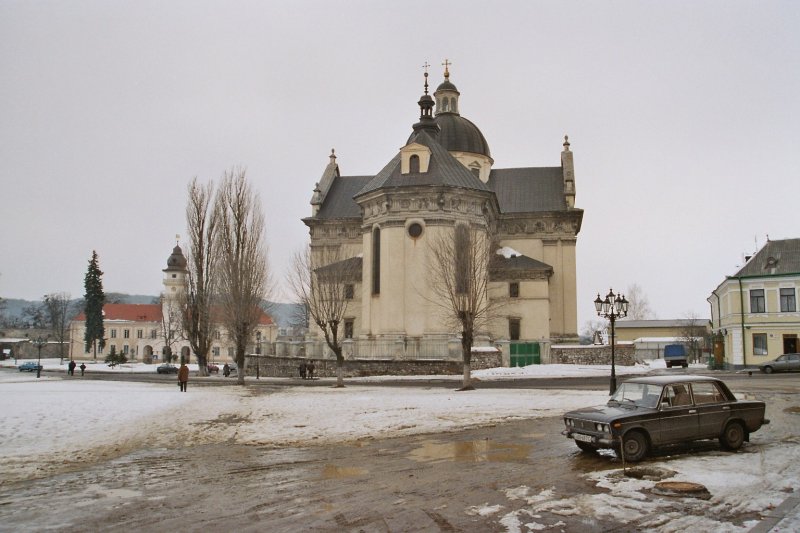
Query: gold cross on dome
[
  {"x": 447, "y": 64},
  {"x": 425, "y": 66}
]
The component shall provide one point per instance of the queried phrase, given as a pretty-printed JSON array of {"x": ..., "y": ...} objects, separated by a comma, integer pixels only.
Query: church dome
[
  {"x": 457, "y": 134},
  {"x": 176, "y": 261}
]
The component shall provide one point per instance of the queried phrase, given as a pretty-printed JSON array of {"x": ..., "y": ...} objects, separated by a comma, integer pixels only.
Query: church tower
[{"x": 175, "y": 274}]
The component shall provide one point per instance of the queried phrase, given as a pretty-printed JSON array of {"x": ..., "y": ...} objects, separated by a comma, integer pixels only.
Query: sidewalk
[{"x": 785, "y": 517}]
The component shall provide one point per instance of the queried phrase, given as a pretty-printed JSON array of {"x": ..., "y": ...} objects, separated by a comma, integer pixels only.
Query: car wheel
[
  {"x": 585, "y": 447},
  {"x": 634, "y": 446},
  {"x": 768, "y": 370},
  {"x": 733, "y": 436}
]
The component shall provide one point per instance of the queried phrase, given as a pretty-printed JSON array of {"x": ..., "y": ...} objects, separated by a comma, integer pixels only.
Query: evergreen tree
[{"x": 93, "y": 306}]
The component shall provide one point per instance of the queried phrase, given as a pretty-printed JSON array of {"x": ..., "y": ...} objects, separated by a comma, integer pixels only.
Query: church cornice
[{"x": 550, "y": 224}]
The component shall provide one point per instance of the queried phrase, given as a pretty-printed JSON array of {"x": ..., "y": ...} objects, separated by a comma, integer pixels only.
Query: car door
[
  {"x": 713, "y": 409},
  {"x": 794, "y": 362},
  {"x": 679, "y": 420}
]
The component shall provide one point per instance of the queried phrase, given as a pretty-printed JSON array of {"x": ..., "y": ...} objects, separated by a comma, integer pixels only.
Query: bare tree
[
  {"x": 197, "y": 298},
  {"x": 459, "y": 264},
  {"x": 638, "y": 304},
  {"x": 242, "y": 262},
  {"x": 322, "y": 284},
  {"x": 171, "y": 325},
  {"x": 693, "y": 334},
  {"x": 57, "y": 309},
  {"x": 591, "y": 328}
]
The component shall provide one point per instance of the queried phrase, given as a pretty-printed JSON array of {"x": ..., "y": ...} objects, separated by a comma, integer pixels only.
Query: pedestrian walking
[
  {"x": 226, "y": 370},
  {"x": 302, "y": 370},
  {"x": 310, "y": 369},
  {"x": 83, "y": 368},
  {"x": 71, "y": 368},
  {"x": 183, "y": 377}
]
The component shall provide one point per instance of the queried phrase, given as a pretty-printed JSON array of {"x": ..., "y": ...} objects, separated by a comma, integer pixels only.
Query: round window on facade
[{"x": 414, "y": 230}]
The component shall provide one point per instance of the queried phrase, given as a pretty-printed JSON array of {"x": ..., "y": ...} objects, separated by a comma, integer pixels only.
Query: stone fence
[
  {"x": 592, "y": 354},
  {"x": 275, "y": 366}
]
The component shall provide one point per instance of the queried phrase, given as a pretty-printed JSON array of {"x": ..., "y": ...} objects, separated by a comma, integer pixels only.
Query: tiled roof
[
  {"x": 675, "y": 323},
  {"x": 775, "y": 257},
  {"x": 444, "y": 169},
  {"x": 339, "y": 201},
  {"x": 129, "y": 312},
  {"x": 143, "y": 313},
  {"x": 503, "y": 266},
  {"x": 526, "y": 190}
]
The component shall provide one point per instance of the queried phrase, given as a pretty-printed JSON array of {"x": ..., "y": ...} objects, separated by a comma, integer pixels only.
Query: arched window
[
  {"x": 413, "y": 164},
  {"x": 463, "y": 259},
  {"x": 376, "y": 261}
]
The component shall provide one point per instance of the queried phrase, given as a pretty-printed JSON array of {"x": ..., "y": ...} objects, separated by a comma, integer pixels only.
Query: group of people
[
  {"x": 306, "y": 370},
  {"x": 71, "y": 368}
]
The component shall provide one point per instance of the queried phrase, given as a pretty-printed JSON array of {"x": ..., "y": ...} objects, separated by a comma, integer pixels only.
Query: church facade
[{"x": 444, "y": 177}]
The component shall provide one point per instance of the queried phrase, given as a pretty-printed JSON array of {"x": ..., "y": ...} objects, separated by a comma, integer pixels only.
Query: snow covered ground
[{"x": 53, "y": 424}]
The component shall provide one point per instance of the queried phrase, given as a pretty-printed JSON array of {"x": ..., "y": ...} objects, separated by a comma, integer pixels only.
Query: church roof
[
  {"x": 458, "y": 134},
  {"x": 527, "y": 190},
  {"x": 775, "y": 257},
  {"x": 516, "y": 263},
  {"x": 444, "y": 169},
  {"x": 339, "y": 201}
]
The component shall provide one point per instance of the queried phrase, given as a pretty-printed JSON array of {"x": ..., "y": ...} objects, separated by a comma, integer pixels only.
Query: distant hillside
[{"x": 282, "y": 313}]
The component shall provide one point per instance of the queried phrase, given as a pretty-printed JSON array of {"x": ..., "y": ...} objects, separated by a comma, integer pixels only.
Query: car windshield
[{"x": 636, "y": 394}]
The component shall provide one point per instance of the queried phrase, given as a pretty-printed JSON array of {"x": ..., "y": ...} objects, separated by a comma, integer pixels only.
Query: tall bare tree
[
  {"x": 459, "y": 263},
  {"x": 198, "y": 296},
  {"x": 638, "y": 304},
  {"x": 694, "y": 335},
  {"x": 171, "y": 325},
  {"x": 58, "y": 312},
  {"x": 322, "y": 283},
  {"x": 242, "y": 268}
]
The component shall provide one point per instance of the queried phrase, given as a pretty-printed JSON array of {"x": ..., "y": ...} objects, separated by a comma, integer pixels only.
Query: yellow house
[
  {"x": 630, "y": 330},
  {"x": 754, "y": 314}
]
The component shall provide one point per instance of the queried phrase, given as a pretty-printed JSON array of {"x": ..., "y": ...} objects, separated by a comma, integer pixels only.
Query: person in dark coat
[
  {"x": 302, "y": 370},
  {"x": 83, "y": 368},
  {"x": 183, "y": 377},
  {"x": 71, "y": 368},
  {"x": 310, "y": 369},
  {"x": 226, "y": 370}
]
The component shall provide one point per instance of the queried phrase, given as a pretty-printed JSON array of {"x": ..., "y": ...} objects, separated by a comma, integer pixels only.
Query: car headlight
[{"x": 598, "y": 427}]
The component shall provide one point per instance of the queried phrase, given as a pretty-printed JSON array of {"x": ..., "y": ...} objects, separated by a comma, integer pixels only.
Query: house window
[
  {"x": 376, "y": 261},
  {"x": 788, "y": 302},
  {"x": 217, "y": 335},
  {"x": 125, "y": 349},
  {"x": 757, "y": 304},
  {"x": 215, "y": 351},
  {"x": 759, "y": 344},
  {"x": 153, "y": 333},
  {"x": 413, "y": 164},
  {"x": 513, "y": 329},
  {"x": 349, "y": 291},
  {"x": 513, "y": 290},
  {"x": 126, "y": 333},
  {"x": 139, "y": 333},
  {"x": 113, "y": 334},
  {"x": 348, "y": 328}
]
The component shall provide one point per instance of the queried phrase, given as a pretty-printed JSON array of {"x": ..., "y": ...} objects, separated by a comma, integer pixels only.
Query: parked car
[
  {"x": 648, "y": 412},
  {"x": 788, "y": 362},
  {"x": 213, "y": 368},
  {"x": 30, "y": 366},
  {"x": 167, "y": 368}
]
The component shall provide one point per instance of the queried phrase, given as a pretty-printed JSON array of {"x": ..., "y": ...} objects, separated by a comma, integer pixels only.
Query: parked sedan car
[
  {"x": 167, "y": 368},
  {"x": 212, "y": 368},
  {"x": 30, "y": 366},
  {"x": 648, "y": 412},
  {"x": 788, "y": 362}
]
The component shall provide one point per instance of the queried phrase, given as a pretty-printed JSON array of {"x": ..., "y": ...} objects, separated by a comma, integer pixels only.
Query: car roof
[{"x": 664, "y": 380}]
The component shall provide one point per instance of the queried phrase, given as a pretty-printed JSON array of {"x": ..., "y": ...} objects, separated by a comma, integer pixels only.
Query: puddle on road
[
  {"x": 471, "y": 451},
  {"x": 340, "y": 472},
  {"x": 795, "y": 410}
]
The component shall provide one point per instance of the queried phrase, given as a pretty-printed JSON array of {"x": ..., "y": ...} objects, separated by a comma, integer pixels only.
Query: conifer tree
[{"x": 94, "y": 299}]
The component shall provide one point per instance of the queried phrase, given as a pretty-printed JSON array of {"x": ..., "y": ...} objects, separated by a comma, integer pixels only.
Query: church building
[{"x": 444, "y": 176}]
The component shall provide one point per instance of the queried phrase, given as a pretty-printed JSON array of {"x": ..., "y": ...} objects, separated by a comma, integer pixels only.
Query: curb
[{"x": 789, "y": 507}]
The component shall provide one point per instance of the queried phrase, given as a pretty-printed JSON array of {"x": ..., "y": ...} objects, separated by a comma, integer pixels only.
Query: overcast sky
[{"x": 683, "y": 118}]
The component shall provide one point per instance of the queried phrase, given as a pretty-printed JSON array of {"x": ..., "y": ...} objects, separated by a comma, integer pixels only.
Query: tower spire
[
  {"x": 447, "y": 64},
  {"x": 426, "y": 108}
]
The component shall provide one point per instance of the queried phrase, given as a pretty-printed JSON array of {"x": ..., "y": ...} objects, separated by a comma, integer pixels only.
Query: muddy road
[
  {"x": 460, "y": 481},
  {"x": 425, "y": 483}
]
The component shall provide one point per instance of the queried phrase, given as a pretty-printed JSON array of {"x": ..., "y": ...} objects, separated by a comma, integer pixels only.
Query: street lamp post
[
  {"x": 614, "y": 306},
  {"x": 39, "y": 343}
]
